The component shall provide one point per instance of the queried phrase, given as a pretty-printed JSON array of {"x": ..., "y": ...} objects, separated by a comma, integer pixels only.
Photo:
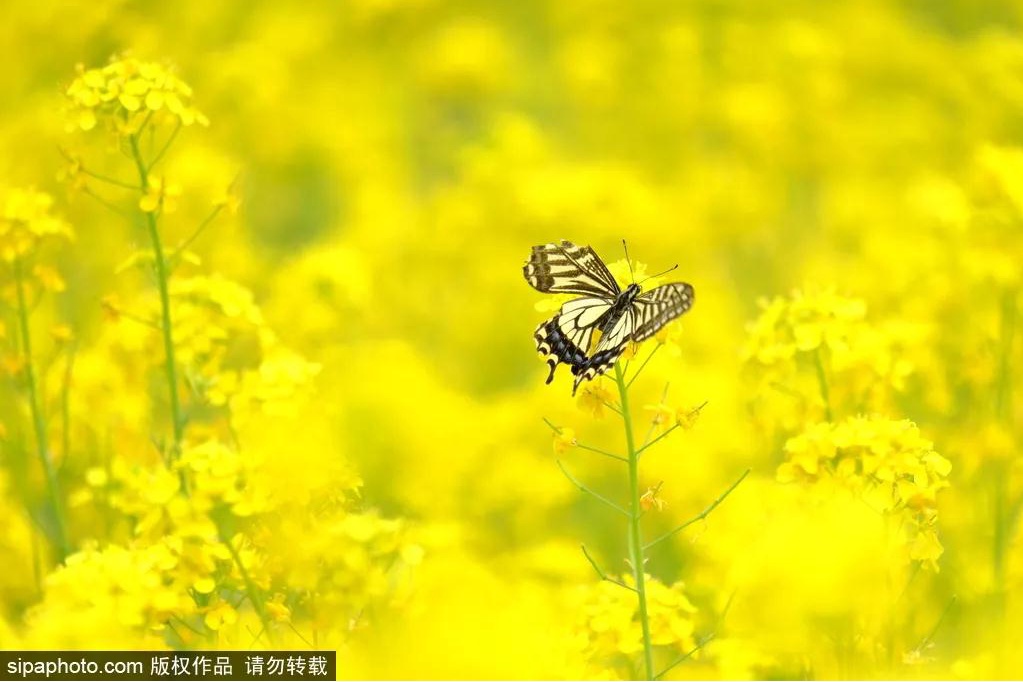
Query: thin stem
[
  {"x": 165, "y": 147},
  {"x": 176, "y": 255},
  {"x": 663, "y": 435},
  {"x": 601, "y": 452},
  {"x": 557, "y": 430},
  {"x": 641, "y": 367},
  {"x": 614, "y": 408},
  {"x": 635, "y": 538},
  {"x": 65, "y": 403},
  {"x": 98, "y": 176},
  {"x": 941, "y": 619},
  {"x": 822, "y": 379},
  {"x": 1003, "y": 387},
  {"x": 582, "y": 486},
  {"x": 684, "y": 657},
  {"x": 251, "y": 591},
  {"x": 702, "y": 515},
  {"x": 653, "y": 423},
  {"x": 109, "y": 180},
  {"x": 38, "y": 420},
  {"x": 170, "y": 366},
  {"x": 604, "y": 576},
  {"x": 106, "y": 204}
]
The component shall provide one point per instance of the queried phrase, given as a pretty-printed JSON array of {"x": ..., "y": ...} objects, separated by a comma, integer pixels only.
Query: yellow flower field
[{"x": 269, "y": 378}]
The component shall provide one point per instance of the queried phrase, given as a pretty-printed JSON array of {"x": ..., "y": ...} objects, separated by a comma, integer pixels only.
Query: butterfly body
[{"x": 619, "y": 315}]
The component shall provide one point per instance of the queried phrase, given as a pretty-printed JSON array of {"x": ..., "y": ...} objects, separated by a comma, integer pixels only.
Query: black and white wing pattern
[
  {"x": 658, "y": 307},
  {"x": 620, "y": 316},
  {"x": 569, "y": 269}
]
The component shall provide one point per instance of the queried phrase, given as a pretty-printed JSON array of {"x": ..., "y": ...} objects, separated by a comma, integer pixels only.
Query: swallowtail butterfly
[{"x": 619, "y": 316}]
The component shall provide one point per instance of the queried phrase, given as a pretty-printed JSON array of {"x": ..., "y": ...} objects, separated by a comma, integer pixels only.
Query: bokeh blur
[{"x": 364, "y": 463}]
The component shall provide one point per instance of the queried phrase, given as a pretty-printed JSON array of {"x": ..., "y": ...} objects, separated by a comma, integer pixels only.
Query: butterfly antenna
[
  {"x": 628, "y": 261},
  {"x": 673, "y": 267}
]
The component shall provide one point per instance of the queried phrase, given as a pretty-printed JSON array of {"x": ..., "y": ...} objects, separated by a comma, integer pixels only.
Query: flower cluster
[
  {"x": 887, "y": 463},
  {"x": 127, "y": 93},
  {"x": 27, "y": 221},
  {"x": 609, "y": 625},
  {"x": 814, "y": 354}
]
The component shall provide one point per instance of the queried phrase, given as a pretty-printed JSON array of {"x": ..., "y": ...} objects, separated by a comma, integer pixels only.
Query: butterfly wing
[
  {"x": 569, "y": 269},
  {"x": 609, "y": 349},
  {"x": 566, "y": 337},
  {"x": 658, "y": 307},
  {"x": 646, "y": 316}
]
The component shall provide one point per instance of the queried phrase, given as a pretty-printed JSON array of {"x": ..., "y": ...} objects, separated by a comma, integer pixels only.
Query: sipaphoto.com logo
[{"x": 129, "y": 666}]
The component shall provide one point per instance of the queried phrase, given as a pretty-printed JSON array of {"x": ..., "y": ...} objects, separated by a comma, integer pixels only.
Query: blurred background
[{"x": 396, "y": 160}]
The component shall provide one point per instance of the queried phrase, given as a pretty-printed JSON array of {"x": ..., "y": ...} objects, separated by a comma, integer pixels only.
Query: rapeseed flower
[{"x": 127, "y": 93}]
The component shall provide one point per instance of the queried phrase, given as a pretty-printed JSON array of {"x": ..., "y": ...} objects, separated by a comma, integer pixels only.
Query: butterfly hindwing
[
  {"x": 556, "y": 347},
  {"x": 569, "y": 269},
  {"x": 580, "y": 316},
  {"x": 609, "y": 349}
]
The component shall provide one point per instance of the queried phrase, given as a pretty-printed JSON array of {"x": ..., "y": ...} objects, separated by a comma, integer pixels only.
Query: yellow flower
[
  {"x": 886, "y": 462},
  {"x": 686, "y": 417},
  {"x": 278, "y": 610},
  {"x": 128, "y": 93},
  {"x": 61, "y": 333},
  {"x": 651, "y": 499},
  {"x": 48, "y": 278},
  {"x": 26, "y": 220},
  {"x": 564, "y": 440},
  {"x": 159, "y": 196},
  {"x": 594, "y": 397},
  {"x": 220, "y": 615}
]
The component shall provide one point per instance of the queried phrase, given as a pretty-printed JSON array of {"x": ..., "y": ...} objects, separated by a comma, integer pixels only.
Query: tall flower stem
[
  {"x": 636, "y": 552},
  {"x": 39, "y": 420},
  {"x": 170, "y": 365}
]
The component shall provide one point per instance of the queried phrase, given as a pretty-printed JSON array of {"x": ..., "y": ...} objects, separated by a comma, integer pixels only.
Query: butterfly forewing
[
  {"x": 660, "y": 306},
  {"x": 569, "y": 269}
]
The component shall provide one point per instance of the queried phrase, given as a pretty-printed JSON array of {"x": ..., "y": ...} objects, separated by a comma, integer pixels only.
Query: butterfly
[{"x": 620, "y": 316}]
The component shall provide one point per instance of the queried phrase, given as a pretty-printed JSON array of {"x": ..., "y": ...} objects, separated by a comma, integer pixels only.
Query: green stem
[
  {"x": 252, "y": 592},
  {"x": 643, "y": 366},
  {"x": 1003, "y": 387},
  {"x": 702, "y": 515},
  {"x": 38, "y": 420},
  {"x": 170, "y": 365},
  {"x": 65, "y": 403},
  {"x": 176, "y": 255},
  {"x": 822, "y": 379},
  {"x": 589, "y": 491},
  {"x": 600, "y": 572},
  {"x": 635, "y": 538},
  {"x": 654, "y": 441}
]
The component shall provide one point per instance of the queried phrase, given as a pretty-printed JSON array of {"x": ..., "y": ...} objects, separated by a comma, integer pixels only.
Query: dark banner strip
[{"x": 168, "y": 665}]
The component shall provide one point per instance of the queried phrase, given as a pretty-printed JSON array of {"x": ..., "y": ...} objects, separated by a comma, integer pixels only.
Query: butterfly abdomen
[{"x": 622, "y": 303}]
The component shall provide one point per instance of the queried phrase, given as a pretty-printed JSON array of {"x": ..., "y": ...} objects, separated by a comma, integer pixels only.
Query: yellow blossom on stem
[
  {"x": 27, "y": 220},
  {"x": 564, "y": 440},
  {"x": 126, "y": 93},
  {"x": 160, "y": 196},
  {"x": 662, "y": 415},
  {"x": 686, "y": 417},
  {"x": 651, "y": 499},
  {"x": 887, "y": 462},
  {"x": 595, "y": 397}
]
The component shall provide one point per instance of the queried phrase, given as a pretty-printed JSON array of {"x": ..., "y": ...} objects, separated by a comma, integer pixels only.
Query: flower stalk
[
  {"x": 162, "y": 280},
  {"x": 636, "y": 550},
  {"x": 59, "y": 538}
]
